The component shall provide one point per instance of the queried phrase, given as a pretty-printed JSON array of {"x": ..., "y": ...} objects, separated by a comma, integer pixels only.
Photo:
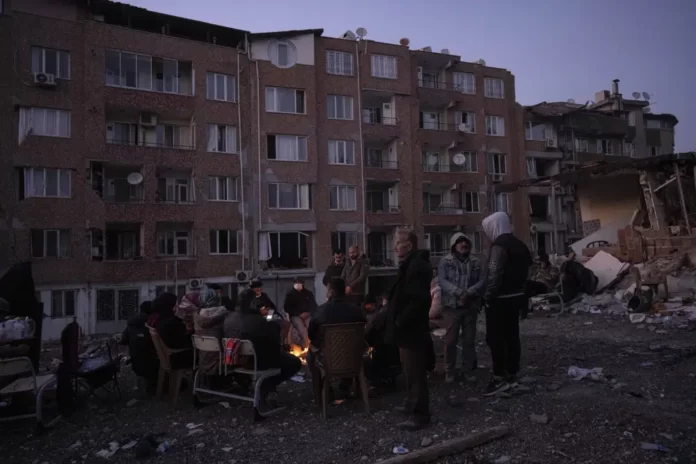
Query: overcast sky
[{"x": 557, "y": 49}]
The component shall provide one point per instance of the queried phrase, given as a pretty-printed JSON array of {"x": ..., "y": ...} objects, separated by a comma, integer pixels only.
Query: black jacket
[
  {"x": 334, "y": 270},
  {"x": 508, "y": 267},
  {"x": 172, "y": 331},
  {"x": 408, "y": 304},
  {"x": 336, "y": 311},
  {"x": 140, "y": 347},
  {"x": 265, "y": 336},
  {"x": 300, "y": 302},
  {"x": 250, "y": 302}
]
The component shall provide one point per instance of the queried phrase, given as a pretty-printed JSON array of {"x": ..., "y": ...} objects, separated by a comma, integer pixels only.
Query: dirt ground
[{"x": 648, "y": 397}]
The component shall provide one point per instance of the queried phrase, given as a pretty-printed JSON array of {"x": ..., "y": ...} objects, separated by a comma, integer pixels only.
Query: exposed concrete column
[{"x": 654, "y": 206}]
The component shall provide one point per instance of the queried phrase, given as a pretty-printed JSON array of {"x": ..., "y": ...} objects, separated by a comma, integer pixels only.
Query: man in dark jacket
[
  {"x": 335, "y": 268},
  {"x": 408, "y": 326},
  {"x": 172, "y": 330},
  {"x": 299, "y": 305},
  {"x": 504, "y": 294},
  {"x": 136, "y": 336},
  {"x": 254, "y": 299},
  {"x": 355, "y": 273}
]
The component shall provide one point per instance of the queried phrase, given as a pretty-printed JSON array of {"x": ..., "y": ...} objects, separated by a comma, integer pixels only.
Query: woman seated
[
  {"x": 171, "y": 330},
  {"x": 209, "y": 323}
]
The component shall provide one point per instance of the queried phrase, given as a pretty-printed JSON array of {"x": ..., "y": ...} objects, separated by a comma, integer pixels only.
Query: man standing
[
  {"x": 335, "y": 269},
  {"x": 407, "y": 326},
  {"x": 504, "y": 295},
  {"x": 355, "y": 273},
  {"x": 299, "y": 306},
  {"x": 459, "y": 277}
]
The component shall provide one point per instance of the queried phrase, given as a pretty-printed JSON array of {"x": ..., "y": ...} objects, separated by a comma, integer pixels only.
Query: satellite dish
[
  {"x": 404, "y": 42},
  {"x": 433, "y": 160},
  {"x": 636, "y": 95},
  {"x": 646, "y": 95},
  {"x": 570, "y": 100},
  {"x": 462, "y": 127},
  {"x": 445, "y": 51},
  {"x": 135, "y": 178},
  {"x": 459, "y": 159},
  {"x": 482, "y": 62},
  {"x": 361, "y": 32}
]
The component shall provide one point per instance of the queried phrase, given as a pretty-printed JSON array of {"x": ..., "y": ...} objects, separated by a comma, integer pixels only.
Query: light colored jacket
[
  {"x": 455, "y": 277},
  {"x": 435, "y": 300}
]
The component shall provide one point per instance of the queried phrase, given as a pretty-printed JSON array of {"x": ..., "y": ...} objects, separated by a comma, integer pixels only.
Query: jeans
[
  {"x": 289, "y": 365},
  {"x": 503, "y": 334},
  {"x": 414, "y": 364},
  {"x": 301, "y": 326},
  {"x": 461, "y": 324}
]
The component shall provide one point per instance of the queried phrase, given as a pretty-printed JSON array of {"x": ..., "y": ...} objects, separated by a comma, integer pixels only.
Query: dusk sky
[{"x": 557, "y": 49}]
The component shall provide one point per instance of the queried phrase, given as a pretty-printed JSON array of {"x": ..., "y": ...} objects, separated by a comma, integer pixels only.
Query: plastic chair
[
  {"x": 341, "y": 357},
  {"x": 34, "y": 384},
  {"x": 175, "y": 375}
]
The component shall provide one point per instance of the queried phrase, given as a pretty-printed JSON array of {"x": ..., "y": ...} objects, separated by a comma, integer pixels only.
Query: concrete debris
[
  {"x": 579, "y": 373},
  {"x": 502, "y": 460},
  {"x": 539, "y": 418},
  {"x": 425, "y": 442}
]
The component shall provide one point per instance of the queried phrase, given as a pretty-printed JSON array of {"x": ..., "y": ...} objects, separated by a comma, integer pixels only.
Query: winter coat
[
  {"x": 265, "y": 336},
  {"x": 355, "y": 274},
  {"x": 250, "y": 302},
  {"x": 175, "y": 336},
  {"x": 333, "y": 270},
  {"x": 458, "y": 276},
  {"x": 336, "y": 311},
  {"x": 509, "y": 260},
  {"x": 141, "y": 350},
  {"x": 209, "y": 323},
  {"x": 298, "y": 302}
]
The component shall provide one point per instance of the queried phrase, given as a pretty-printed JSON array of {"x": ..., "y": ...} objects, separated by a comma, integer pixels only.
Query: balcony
[
  {"x": 380, "y": 244},
  {"x": 381, "y": 157},
  {"x": 118, "y": 241},
  {"x": 117, "y": 183},
  {"x": 379, "y": 117},
  {"x": 175, "y": 187},
  {"x": 382, "y": 197},
  {"x": 142, "y": 72},
  {"x": 145, "y": 129},
  {"x": 448, "y": 162}
]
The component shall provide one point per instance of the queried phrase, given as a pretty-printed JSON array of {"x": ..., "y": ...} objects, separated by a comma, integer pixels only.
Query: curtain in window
[
  {"x": 264, "y": 246},
  {"x": 286, "y": 148},
  {"x": 25, "y": 123},
  {"x": 231, "y": 137},
  {"x": 212, "y": 137}
]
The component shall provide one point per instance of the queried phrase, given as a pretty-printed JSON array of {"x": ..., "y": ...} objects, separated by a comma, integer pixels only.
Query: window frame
[
  {"x": 297, "y": 147},
  {"x": 336, "y": 54},
  {"x": 459, "y": 119},
  {"x": 655, "y": 150},
  {"x": 63, "y": 305},
  {"x": 58, "y": 73},
  {"x": 232, "y": 185},
  {"x": 347, "y": 236},
  {"x": 33, "y": 110},
  {"x": 61, "y": 234},
  {"x": 464, "y": 88},
  {"x": 605, "y": 143},
  {"x": 488, "y": 88},
  {"x": 28, "y": 191},
  {"x": 173, "y": 235},
  {"x": 582, "y": 142},
  {"x": 336, "y": 144},
  {"x": 496, "y": 197},
  {"x": 230, "y": 234},
  {"x": 275, "y": 100},
  {"x": 476, "y": 241},
  {"x": 470, "y": 155},
  {"x": 228, "y": 78},
  {"x": 348, "y": 102},
  {"x": 500, "y": 121},
  {"x": 473, "y": 196},
  {"x": 342, "y": 192},
  {"x": 298, "y": 196},
  {"x": 501, "y": 159},
  {"x": 216, "y": 128},
  {"x": 529, "y": 131},
  {"x": 374, "y": 69}
]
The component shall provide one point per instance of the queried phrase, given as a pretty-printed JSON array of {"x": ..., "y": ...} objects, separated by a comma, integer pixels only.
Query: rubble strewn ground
[{"x": 645, "y": 395}]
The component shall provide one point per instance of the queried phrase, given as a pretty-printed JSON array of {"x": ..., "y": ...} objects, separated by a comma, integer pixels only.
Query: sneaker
[
  {"x": 496, "y": 385},
  {"x": 512, "y": 380},
  {"x": 402, "y": 410},
  {"x": 414, "y": 423}
]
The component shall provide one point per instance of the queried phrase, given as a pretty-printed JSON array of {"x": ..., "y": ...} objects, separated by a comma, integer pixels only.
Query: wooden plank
[
  {"x": 677, "y": 174},
  {"x": 449, "y": 447}
]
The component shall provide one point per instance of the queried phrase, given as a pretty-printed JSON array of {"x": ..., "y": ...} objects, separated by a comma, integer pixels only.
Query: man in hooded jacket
[
  {"x": 460, "y": 280},
  {"x": 504, "y": 295}
]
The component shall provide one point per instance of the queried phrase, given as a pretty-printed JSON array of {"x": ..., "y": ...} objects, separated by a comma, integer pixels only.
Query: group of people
[{"x": 398, "y": 324}]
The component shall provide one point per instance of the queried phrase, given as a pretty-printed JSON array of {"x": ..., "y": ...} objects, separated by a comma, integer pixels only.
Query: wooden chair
[
  {"x": 165, "y": 370},
  {"x": 32, "y": 384},
  {"x": 341, "y": 357}
]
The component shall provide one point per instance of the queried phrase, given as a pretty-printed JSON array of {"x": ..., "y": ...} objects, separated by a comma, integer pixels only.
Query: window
[
  {"x": 629, "y": 149},
  {"x": 534, "y": 131},
  {"x": 468, "y": 119},
  {"x": 496, "y": 164},
  {"x": 470, "y": 202},
  {"x": 339, "y": 107},
  {"x": 501, "y": 203},
  {"x": 493, "y": 88},
  {"x": 581, "y": 145},
  {"x": 45, "y": 122},
  {"x": 122, "y": 133},
  {"x": 632, "y": 118},
  {"x": 50, "y": 243},
  {"x": 469, "y": 164},
  {"x": 170, "y": 136},
  {"x": 221, "y": 87},
  {"x": 342, "y": 198},
  {"x": 288, "y": 196},
  {"x": 656, "y": 124},
  {"x": 341, "y": 241},
  {"x": 605, "y": 147},
  {"x": 475, "y": 238},
  {"x": 173, "y": 243},
  {"x": 62, "y": 303},
  {"x": 384, "y": 66},
  {"x": 495, "y": 125},
  {"x": 40, "y": 182},
  {"x": 655, "y": 150},
  {"x": 282, "y": 100},
  {"x": 464, "y": 82},
  {"x": 286, "y": 147},
  {"x": 339, "y": 63},
  {"x": 282, "y": 53},
  {"x": 123, "y": 69},
  {"x": 284, "y": 250},
  {"x": 532, "y": 167},
  {"x": 341, "y": 152},
  {"x": 224, "y": 242},
  {"x": 222, "y": 139},
  {"x": 174, "y": 190},
  {"x": 431, "y": 121},
  {"x": 50, "y": 61},
  {"x": 223, "y": 188},
  {"x": 117, "y": 305}
]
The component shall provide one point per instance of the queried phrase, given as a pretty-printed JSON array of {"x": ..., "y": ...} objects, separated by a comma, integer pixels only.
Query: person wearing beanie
[{"x": 459, "y": 277}]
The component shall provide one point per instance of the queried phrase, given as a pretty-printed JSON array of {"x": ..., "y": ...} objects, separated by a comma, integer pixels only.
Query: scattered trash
[
  {"x": 226, "y": 449},
  {"x": 194, "y": 432},
  {"x": 224, "y": 404},
  {"x": 588, "y": 323},
  {"x": 338, "y": 402},
  {"x": 192, "y": 426},
  {"x": 502, "y": 460},
  {"x": 75, "y": 445},
  {"x": 654, "y": 447},
  {"x": 200, "y": 445},
  {"x": 553, "y": 386},
  {"x": 259, "y": 431},
  {"x": 579, "y": 373},
  {"x": 668, "y": 436},
  {"x": 129, "y": 445},
  {"x": 425, "y": 442},
  {"x": 106, "y": 454},
  {"x": 297, "y": 378},
  {"x": 400, "y": 449},
  {"x": 131, "y": 403},
  {"x": 539, "y": 418},
  {"x": 628, "y": 435},
  {"x": 636, "y": 318},
  {"x": 163, "y": 447}
]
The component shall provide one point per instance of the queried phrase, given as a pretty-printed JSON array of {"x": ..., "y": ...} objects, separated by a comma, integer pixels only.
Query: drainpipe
[
  {"x": 361, "y": 150},
  {"x": 241, "y": 160}
]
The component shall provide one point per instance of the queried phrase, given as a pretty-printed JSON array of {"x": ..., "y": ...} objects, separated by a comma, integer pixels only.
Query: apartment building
[
  {"x": 559, "y": 136},
  {"x": 149, "y": 153}
]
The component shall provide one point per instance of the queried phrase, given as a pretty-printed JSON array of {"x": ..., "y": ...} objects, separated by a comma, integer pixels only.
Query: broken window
[
  {"x": 539, "y": 207},
  {"x": 284, "y": 250}
]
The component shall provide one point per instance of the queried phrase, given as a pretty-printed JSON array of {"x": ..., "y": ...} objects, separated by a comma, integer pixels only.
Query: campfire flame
[{"x": 299, "y": 352}]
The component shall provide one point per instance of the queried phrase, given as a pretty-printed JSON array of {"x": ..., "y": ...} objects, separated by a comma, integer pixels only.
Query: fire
[{"x": 299, "y": 352}]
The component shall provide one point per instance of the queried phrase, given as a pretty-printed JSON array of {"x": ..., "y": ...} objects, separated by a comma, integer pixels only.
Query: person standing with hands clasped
[
  {"x": 461, "y": 285},
  {"x": 504, "y": 295}
]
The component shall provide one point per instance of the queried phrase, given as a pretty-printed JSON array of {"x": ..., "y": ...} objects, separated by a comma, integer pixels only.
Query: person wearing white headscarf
[{"x": 504, "y": 295}]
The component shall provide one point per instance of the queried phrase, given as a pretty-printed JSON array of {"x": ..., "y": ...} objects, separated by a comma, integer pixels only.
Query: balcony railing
[
  {"x": 441, "y": 126},
  {"x": 440, "y": 85},
  {"x": 151, "y": 144},
  {"x": 373, "y": 117},
  {"x": 382, "y": 258},
  {"x": 371, "y": 208},
  {"x": 380, "y": 163},
  {"x": 449, "y": 209},
  {"x": 439, "y": 167}
]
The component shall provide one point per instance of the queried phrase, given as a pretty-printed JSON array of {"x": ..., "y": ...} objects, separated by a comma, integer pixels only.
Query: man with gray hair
[{"x": 408, "y": 327}]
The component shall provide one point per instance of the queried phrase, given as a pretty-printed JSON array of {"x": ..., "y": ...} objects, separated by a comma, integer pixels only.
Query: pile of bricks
[{"x": 636, "y": 246}]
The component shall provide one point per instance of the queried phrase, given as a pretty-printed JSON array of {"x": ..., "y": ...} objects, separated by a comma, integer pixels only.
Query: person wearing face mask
[
  {"x": 299, "y": 305},
  {"x": 460, "y": 280}
]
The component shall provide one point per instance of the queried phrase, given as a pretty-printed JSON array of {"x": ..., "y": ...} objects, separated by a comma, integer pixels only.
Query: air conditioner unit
[
  {"x": 45, "y": 79},
  {"x": 394, "y": 209},
  {"x": 195, "y": 284},
  {"x": 551, "y": 143},
  {"x": 242, "y": 276},
  {"x": 148, "y": 119}
]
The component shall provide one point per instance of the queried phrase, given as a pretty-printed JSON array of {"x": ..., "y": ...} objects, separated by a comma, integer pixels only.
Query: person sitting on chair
[
  {"x": 545, "y": 278},
  {"x": 141, "y": 350},
  {"x": 172, "y": 330}
]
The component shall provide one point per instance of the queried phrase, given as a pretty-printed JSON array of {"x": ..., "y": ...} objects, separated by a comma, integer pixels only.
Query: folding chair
[
  {"x": 34, "y": 384},
  {"x": 175, "y": 375},
  {"x": 90, "y": 379}
]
